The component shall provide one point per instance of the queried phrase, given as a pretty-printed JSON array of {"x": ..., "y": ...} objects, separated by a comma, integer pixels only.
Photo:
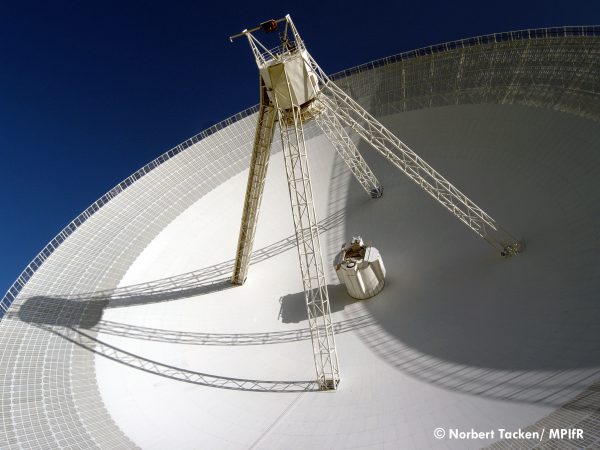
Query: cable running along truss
[{"x": 295, "y": 90}]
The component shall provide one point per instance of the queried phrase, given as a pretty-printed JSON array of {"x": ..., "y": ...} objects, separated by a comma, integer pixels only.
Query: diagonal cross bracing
[{"x": 346, "y": 149}]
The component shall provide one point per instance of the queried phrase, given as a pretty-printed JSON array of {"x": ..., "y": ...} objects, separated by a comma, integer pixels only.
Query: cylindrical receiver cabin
[{"x": 360, "y": 268}]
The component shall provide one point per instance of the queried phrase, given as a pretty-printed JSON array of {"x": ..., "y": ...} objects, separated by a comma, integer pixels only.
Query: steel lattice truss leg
[
  {"x": 337, "y": 135},
  {"x": 353, "y": 115},
  {"x": 309, "y": 252},
  {"x": 309, "y": 248},
  {"x": 256, "y": 182}
]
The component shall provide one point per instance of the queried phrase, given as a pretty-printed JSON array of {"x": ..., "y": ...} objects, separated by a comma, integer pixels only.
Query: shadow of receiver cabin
[{"x": 293, "y": 91}]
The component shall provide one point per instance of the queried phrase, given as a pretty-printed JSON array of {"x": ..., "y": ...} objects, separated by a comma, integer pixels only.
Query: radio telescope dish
[{"x": 125, "y": 331}]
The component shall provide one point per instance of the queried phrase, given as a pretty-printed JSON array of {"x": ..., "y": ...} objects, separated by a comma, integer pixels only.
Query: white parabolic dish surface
[{"x": 132, "y": 335}]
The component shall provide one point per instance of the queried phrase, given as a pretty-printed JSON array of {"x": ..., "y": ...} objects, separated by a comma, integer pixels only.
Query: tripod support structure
[{"x": 293, "y": 91}]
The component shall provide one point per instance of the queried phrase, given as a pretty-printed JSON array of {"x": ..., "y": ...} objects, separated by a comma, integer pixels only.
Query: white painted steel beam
[
  {"x": 309, "y": 250},
  {"x": 346, "y": 149},
  {"x": 261, "y": 151}
]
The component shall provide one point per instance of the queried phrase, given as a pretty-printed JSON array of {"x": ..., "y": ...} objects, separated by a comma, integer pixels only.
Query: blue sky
[{"x": 91, "y": 91}]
